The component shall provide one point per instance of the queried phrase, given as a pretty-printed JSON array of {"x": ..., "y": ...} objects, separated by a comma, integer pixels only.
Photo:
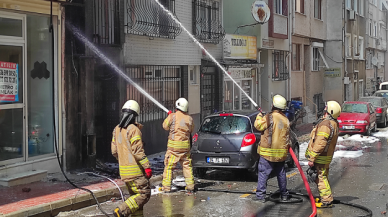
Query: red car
[{"x": 357, "y": 117}]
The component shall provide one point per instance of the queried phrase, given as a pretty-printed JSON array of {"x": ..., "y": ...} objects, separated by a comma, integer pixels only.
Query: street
[{"x": 357, "y": 175}]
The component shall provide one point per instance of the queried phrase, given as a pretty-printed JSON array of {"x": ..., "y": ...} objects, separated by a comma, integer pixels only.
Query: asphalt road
[{"x": 358, "y": 174}]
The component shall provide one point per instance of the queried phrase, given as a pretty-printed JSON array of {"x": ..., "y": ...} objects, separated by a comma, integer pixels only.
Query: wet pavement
[{"x": 358, "y": 174}]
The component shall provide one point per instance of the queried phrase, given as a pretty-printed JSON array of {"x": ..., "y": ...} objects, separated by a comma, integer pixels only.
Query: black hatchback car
[{"x": 229, "y": 140}]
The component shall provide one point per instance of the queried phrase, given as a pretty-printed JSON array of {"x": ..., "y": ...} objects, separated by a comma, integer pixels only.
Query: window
[
  {"x": 281, "y": 7},
  {"x": 348, "y": 4},
  {"x": 355, "y": 5},
  {"x": 280, "y": 71},
  {"x": 193, "y": 76},
  {"x": 106, "y": 28},
  {"x": 146, "y": 17},
  {"x": 348, "y": 46},
  {"x": 278, "y": 6},
  {"x": 368, "y": 63},
  {"x": 299, "y": 6},
  {"x": 207, "y": 21},
  {"x": 161, "y": 82},
  {"x": 375, "y": 29},
  {"x": 316, "y": 59},
  {"x": 318, "y": 9},
  {"x": 361, "y": 7},
  {"x": 361, "y": 47},
  {"x": 370, "y": 28},
  {"x": 296, "y": 57}
]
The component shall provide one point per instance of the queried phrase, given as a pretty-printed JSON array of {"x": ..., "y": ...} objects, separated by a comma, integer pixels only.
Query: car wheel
[
  {"x": 291, "y": 163},
  {"x": 368, "y": 132},
  {"x": 199, "y": 172}
]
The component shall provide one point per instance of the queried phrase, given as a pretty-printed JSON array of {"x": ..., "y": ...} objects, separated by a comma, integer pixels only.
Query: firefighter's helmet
[
  {"x": 333, "y": 108},
  {"x": 279, "y": 102},
  {"x": 132, "y": 105},
  {"x": 182, "y": 104}
]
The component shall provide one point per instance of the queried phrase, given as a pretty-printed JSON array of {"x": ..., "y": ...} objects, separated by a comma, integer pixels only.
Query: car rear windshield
[
  {"x": 354, "y": 108},
  {"x": 383, "y": 94},
  {"x": 375, "y": 102},
  {"x": 226, "y": 125}
]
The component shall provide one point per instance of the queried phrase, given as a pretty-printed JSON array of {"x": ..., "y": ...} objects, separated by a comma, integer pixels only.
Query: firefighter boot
[
  {"x": 117, "y": 213},
  {"x": 324, "y": 205}
]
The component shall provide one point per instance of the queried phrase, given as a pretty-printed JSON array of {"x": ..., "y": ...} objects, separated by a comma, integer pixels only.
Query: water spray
[
  {"x": 207, "y": 53},
  {"x": 110, "y": 63}
]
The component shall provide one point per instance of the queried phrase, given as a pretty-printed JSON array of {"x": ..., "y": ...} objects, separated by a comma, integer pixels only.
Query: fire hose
[{"x": 309, "y": 195}]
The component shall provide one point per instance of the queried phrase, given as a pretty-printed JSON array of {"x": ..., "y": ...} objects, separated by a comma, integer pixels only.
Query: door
[{"x": 209, "y": 90}]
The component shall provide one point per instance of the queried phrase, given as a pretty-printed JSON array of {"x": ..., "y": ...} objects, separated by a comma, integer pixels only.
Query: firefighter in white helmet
[
  {"x": 180, "y": 125},
  {"x": 321, "y": 149},
  {"x": 135, "y": 169},
  {"x": 273, "y": 148}
]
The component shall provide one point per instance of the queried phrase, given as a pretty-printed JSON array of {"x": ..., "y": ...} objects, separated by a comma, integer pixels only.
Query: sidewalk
[{"x": 54, "y": 195}]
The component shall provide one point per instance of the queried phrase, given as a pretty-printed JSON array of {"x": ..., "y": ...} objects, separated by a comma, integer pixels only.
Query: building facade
[{"x": 30, "y": 80}]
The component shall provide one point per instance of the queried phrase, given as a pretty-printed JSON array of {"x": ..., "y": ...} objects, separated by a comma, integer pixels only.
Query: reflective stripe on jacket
[
  {"x": 322, "y": 143},
  {"x": 180, "y": 125},
  {"x": 127, "y": 147},
  {"x": 276, "y": 139}
]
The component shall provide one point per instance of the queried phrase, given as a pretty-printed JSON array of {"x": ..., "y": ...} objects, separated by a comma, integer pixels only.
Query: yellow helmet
[
  {"x": 279, "y": 102},
  {"x": 333, "y": 108}
]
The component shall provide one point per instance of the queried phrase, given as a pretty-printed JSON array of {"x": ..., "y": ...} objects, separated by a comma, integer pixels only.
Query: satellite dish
[
  {"x": 374, "y": 61},
  {"x": 260, "y": 11}
]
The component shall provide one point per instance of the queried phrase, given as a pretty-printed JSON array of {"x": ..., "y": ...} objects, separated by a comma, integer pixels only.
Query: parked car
[
  {"x": 381, "y": 93},
  {"x": 381, "y": 106},
  {"x": 229, "y": 140},
  {"x": 357, "y": 117}
]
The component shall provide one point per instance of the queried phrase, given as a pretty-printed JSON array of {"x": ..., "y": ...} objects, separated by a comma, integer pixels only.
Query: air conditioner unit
[
  {"x": 352, "y": 15},
  {"x": 346, "y": 80}
]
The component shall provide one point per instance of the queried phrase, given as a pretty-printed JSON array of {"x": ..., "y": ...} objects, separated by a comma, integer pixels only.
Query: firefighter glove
[
  {"x": 312, "y": 174},
  {"x": 148, "y": 172}
]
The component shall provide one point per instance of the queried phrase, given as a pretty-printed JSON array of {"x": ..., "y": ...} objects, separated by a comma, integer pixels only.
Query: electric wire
[{"x": 51, "y": 29}]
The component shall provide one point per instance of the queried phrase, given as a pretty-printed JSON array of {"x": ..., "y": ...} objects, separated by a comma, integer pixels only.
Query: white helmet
[
  {"x": 132, "y": 105},
  {"x": 182, "y": 104},
  {"x": 279, "y": 102}
]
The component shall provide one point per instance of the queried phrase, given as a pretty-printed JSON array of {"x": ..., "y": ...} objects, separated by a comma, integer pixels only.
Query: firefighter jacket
[
  {"x": 127, "y": 147},
  {"x": 180, "y": 125},
  {"x": 322, "y": 143},
  {"x": 275, "y": 140}
]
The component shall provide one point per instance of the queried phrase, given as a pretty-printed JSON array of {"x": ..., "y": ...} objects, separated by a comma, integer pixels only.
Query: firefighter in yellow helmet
[
  {"x": 180, "y": 125},
  {"x": 320, "y": 152},
  {"x": 273, "y": 148},
  {"x": 135, "y": 169}
]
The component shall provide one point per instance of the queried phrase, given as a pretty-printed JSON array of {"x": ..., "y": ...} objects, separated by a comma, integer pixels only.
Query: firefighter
[
  {"x": 273, "y": 148},
  {"x": 321, "y": 149},
  {"x": 180, "y": 126},
  {"x": 135, "y": 169}
]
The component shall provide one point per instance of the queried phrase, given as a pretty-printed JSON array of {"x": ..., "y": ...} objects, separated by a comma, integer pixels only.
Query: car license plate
[
  {"x": 348, "y": 127},
  {"x": 218, "y": 160}
]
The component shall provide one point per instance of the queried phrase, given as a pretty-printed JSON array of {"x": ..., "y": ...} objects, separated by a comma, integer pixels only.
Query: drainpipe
[
  {"x": 344, "y": 64},
  {"x": 290, "y": 26},
  {"x": 63, "y": 90}
]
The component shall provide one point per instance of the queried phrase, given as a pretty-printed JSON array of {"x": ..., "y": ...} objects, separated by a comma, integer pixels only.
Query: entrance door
[
  {"x": 209, "y": 90},
  {"x": 12, "y": 122}
]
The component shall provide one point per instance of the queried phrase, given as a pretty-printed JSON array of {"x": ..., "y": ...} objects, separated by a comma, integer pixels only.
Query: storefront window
[
  {"x": 236, "y": 97},
  {"x": 11, "y": 102},
  {"x": 228, "y": 94},
  {"x": 11, "y": 27},
  {"x": 247, "y": 87},
  {"x": 39, "y": 86}
]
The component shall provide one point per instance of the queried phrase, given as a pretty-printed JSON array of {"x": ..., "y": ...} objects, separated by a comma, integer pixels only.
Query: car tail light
[
  {"x": 379, "y": 110},
  {"x": 248, "y": 140},
  {"x": 226, "y": 114},
  {"x": 195, "y": 137}
]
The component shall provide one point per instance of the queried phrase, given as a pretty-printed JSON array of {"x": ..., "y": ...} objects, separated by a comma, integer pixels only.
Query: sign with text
[
  {"x": 240, "y": 47},
  {"x": 240, "y": 73},
  {"x": 9, "y": 82},
  {"x": 335, "y": 72}
]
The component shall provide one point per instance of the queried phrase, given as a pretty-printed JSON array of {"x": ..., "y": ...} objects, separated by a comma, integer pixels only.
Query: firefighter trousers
[
  {"x": 322, "y": 182},
  {"x": 170, "y": 161},
  {"x": 140, "y": 192}
]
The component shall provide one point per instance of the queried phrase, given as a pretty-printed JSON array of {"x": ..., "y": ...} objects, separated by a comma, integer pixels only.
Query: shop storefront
[
  {"x": 240, "y": 54},
  {"x": 26, "y": 86}
]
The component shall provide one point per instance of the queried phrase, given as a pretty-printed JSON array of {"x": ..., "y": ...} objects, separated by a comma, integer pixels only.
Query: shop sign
[
  {"x": 266, "y": 43},
  {"x": 238, "y": 73},
  {"x": 335, "y": 72},
  {"x": 9, "y": 82},
  {"x": 240, "y": 47},
  {"x": 260, "y": 12}
]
